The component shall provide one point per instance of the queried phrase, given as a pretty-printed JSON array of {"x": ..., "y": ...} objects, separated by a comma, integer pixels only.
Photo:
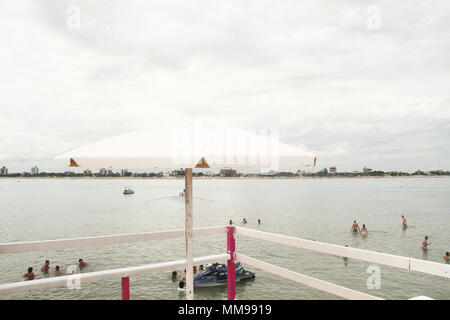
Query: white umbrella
[{"x": 189, "y": 148}]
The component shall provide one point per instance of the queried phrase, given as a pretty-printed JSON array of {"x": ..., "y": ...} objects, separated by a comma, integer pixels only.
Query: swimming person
[
  {"x": 58, "y": 270},
  {"x": 259, "y": 221},
  {"x": 404, "y": 222},
  {"x": 355, "y": 227},
  {"x": 181, "y": 286},
  {"x": 244, "y": 221},
  {"x": 425, "y": 243},
  {"x": 82, "y": 264},
  {"x": 364, "y": 230},
  {"x": 45, "y": 267},
  {"x": 447, "y": 256},
  {"x": 231, "y": 222},
  {"x": 30, "y": 274},
  {"x": 174, "y": 276}
]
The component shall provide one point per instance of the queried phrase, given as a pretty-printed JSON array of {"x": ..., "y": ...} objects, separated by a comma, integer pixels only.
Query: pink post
[
  {"x": 231, "y": 278},
  {"x": 125, "y": 288}
]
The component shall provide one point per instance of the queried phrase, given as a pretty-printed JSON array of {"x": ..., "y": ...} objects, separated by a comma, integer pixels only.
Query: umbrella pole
[{"x": 188, "y": 232}]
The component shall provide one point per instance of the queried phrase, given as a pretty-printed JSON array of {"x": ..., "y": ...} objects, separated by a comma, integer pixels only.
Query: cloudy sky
[{"x": 360, "y": 83}]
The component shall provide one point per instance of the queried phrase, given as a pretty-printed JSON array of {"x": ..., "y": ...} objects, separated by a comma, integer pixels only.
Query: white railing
[
  {"x": 67, "y": 280},
  {"x": 412, "y": 264},
  {"x": 429, "y": 267},
  {"x": 321, "y": 285},
  {"x": 17, "y": 247}
]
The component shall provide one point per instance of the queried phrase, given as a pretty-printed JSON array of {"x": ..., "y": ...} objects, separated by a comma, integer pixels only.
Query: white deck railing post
[{"x": 231, "y": 267}]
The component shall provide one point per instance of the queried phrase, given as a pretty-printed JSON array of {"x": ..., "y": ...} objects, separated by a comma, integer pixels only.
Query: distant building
[
  {"x": 4, "y": 171},
  {"x": 34, "y": 171},
  {"x": 105, "y": 172},
  {"x": 333, "y": 169},
  {"x": 124, "y": 172},
  {"x": 228, "y": 172},
  {"x": 366, "y": 170}
]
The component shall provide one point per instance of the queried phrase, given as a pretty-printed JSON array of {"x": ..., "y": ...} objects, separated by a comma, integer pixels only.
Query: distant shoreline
[{"x": 236, "y": 178}]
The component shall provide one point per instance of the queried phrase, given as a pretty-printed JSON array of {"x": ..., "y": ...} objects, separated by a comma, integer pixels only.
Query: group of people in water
[
  {"x": 364, "y": 232},
  {"x": 244, "y": 221},
  {"x": 182, "y": 281},
  {"x": 45, "y": 269}
]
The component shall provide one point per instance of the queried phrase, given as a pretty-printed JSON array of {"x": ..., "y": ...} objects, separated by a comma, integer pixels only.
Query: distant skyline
[{"x": 360, "y": 84}]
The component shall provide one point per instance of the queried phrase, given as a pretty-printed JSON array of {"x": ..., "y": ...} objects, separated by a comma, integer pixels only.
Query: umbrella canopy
[{"x": 190, "y": 147}]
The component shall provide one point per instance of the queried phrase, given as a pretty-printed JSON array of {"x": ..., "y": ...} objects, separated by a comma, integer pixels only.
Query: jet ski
[{"x": 216, "y": 275}]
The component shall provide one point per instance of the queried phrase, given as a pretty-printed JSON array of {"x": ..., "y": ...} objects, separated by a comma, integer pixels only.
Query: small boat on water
[
  {"x": 128, "y": 191},
  {"x": 216, "y": 275}
]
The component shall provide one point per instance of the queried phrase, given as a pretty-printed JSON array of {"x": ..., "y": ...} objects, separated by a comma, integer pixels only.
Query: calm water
[{"x": 316, "y": 209}]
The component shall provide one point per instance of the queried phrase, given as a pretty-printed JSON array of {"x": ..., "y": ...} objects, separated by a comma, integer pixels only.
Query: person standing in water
[
  {"x": 425, "y": 243},
  {"x": 231, "y": 222},
  {"x": 259, "y": 221},
  {"x": 46, "y": 267},
  {"x": 404, "y": 224},
  {"x": 183, "y": 277},
  {"x": 447, "y": 256},
  {"x": 30, "y": 274},
  {"x": 58, "y": 270},
  {"x": 355, "y": 227},
  {"x": 82, "y": 264},
  {"x": 364, "y": 230}
]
